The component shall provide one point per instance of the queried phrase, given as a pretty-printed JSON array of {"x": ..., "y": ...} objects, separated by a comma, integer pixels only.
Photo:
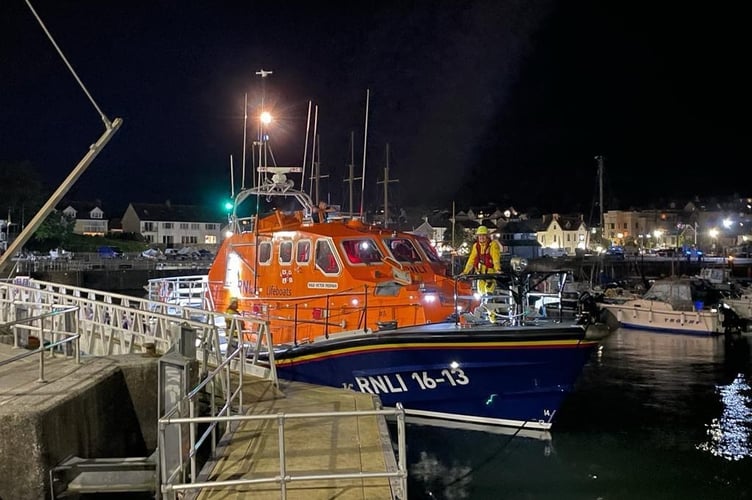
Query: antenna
[{"x": 365, "y": 142}]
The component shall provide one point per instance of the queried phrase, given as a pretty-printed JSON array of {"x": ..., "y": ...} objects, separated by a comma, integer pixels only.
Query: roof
[
  {"x": 82, "y": 208},
  {"x": 516, "y": 227},
  {"x": 171, "y": 212}
]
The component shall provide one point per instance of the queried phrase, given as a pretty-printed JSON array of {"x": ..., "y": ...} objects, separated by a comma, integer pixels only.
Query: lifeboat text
[
  {"x": 280, "y": 292},
  {"x": 420, "y": 380}
]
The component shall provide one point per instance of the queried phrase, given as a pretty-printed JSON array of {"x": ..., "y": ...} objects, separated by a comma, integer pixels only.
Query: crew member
[{"x": 484, "y": 258}]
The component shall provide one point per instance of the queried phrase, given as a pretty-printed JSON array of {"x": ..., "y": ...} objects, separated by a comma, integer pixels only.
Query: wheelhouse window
[
  {"x": 285, "y": 252},
  {"x": 303, "y": 253},
  {"x": 265, "y": 252},
  {"x": 402, "y": 249},
  {"x": 361, "y": 251},
  {"x": 326, "y": 262},
  {"x": 429, "y": 250}
]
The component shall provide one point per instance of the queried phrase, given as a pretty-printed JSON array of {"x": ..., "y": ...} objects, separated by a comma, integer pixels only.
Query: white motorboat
[{"x": 678, "y": 305}]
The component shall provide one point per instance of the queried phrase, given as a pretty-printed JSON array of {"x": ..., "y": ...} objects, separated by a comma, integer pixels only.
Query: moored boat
[
  {"x": 365, "y": 307},
  {"x": 678, "y": 305}
]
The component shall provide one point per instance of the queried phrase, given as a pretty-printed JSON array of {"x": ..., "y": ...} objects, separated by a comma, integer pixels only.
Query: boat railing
[
  {"x": 189, "y": 291},
  {"x": 514, "y": 293},
  {"x": 60, "y": 324},
  {"x": 352, "y": 311}
]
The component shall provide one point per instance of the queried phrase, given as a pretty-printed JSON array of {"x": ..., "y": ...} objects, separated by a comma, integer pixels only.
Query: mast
[
  {"x": 386, "y": 182},
  {"x": 245, "y": 135},
  {"x": 365, "y": 142},
  {"x": 305, "y": 149},
  {"x": 351, "y": 169},
  {"x": 262, "y": 158},
  {"x": 314, "y": 173},
  {"x": 599, "y": 158}
]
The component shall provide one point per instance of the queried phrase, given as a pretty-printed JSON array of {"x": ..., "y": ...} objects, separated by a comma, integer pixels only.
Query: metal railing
[
  {"x": 174, "y": 481},
  {"x": 68, "y": 337},
  {"x": 111, "y": 324}
]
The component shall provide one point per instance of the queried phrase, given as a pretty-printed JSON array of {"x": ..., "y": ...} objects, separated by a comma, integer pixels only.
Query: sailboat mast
[
  {"x": 600, "y": 190},
  {"x": 386, "y": 182},
  {"x": 386, "y": 187},
  {"x": 352, "y": 168},
  {"x": 350, "y": 179}
]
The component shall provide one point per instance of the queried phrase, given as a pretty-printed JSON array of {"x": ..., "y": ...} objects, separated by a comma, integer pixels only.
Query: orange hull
[{"x": 312, "y": 279}]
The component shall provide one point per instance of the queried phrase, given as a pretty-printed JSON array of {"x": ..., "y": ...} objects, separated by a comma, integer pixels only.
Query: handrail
[
  {"x": 284, "y": 475},
  {"x": 224, "y": 415},
  {"x": 69, "y": 337}
]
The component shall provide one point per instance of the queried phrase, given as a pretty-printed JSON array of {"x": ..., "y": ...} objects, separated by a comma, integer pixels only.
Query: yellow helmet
[{"x": 481, "y": 230}]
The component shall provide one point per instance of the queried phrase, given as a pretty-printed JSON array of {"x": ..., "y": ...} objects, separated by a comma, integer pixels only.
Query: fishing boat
[{"x": 688, "y": 305}]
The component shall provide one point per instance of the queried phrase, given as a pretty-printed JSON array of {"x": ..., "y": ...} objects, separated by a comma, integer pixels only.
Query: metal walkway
[{"x": 304, "y": 442}]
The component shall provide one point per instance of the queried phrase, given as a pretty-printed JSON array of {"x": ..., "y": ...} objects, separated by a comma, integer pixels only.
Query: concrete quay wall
[{"x": 107, "y": 407}]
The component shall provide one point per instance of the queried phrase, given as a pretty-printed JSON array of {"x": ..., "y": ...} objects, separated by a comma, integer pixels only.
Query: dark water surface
[{"x": 654, "y": 416}]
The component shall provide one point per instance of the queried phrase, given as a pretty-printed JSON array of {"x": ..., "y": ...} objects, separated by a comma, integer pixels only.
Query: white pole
[
  {"x": 305, "y": 151},
  {"x": 232, "y": 180},
  {"x": 313, "y": 151},
  {"x": 245, "y": 134},
  {"x": 365, "y": 142}
]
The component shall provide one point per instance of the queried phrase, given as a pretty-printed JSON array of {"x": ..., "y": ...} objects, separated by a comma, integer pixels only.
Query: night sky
[{"x": 480, "y": 102}]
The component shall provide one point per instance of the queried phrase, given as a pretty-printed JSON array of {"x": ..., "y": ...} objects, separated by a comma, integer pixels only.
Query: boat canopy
[{"x": 678, "y": 293}]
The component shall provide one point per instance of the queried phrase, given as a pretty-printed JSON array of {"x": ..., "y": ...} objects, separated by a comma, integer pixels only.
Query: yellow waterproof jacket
[{"x": 484, "y": 258}]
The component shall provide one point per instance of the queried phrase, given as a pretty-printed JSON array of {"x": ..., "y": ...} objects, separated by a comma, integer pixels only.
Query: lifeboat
[
  {"x": 365, "y": 307},
  {"x": 312, "y": 277}
]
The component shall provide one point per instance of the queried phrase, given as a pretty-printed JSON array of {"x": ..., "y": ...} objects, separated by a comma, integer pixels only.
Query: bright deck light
[{"x": 266, "y": 118}]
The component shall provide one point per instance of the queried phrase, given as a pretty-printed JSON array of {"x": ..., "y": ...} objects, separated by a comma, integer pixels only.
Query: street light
[{"x": 713, "y": 233}]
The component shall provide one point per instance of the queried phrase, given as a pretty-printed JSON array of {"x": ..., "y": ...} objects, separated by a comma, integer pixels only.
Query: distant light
[
  {"x": 727, "y": 223},
  {"x": 228, "y": 233},
  {"x": 266, "y": 118}
]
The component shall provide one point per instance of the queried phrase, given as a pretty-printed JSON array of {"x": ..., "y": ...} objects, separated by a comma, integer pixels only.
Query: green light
[{"x": 228, "y": 205}]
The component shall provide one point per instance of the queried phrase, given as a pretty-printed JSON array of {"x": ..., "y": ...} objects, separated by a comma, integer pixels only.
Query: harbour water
[{"x": 654, "y": 416}]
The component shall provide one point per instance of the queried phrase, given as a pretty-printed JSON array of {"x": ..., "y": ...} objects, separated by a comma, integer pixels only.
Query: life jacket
[{"x": 483, "y": 258}]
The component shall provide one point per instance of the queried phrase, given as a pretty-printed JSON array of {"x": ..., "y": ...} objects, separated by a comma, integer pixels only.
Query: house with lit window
[
  {"x": 173, "y": 225},
  {"x": 560, "y": 233},
  {"x": 89, "y": 218}
]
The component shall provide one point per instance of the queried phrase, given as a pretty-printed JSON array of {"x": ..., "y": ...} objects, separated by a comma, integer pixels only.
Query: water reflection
[{"x": 729, "y": 435}]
